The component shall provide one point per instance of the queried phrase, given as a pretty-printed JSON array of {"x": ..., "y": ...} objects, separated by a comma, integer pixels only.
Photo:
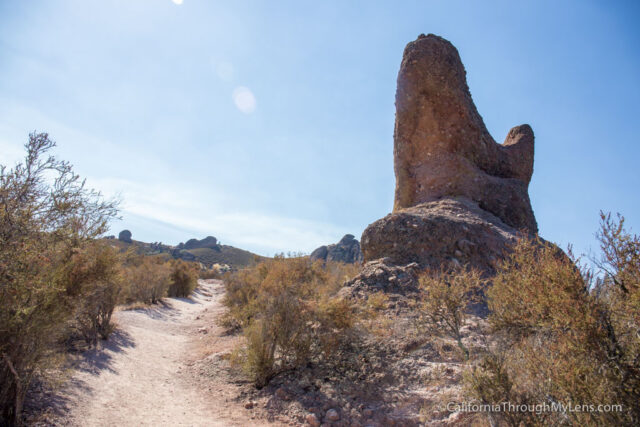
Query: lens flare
[{"x": 244, "y": 99}]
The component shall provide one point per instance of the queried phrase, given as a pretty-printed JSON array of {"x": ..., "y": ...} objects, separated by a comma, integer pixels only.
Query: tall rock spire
[{"x": 442, "y": 147}]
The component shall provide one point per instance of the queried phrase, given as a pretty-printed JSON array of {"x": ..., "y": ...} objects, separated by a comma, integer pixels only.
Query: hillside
[
  {"x": 206, "y": 251},
  {"x": 229, "y": 255}
]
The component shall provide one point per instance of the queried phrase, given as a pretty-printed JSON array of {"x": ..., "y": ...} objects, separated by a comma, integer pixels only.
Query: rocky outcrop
[
  {"x": 125, "y": 236},
  {"x": 442, "y": 147},
  {"x": 445, "y": 232},
  {"x": 208, "y": 242},
  {"x": 347, "y": 250},
  {"x": 460, "y": 197},
  {"x": 319, "y": 253},
  {"x": 383, "y": 275}
]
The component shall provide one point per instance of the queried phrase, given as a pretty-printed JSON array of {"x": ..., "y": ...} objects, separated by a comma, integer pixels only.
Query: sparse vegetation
[
  {"x": 289, "y": 312},
  {"x": 448, "y": 297},
  {"x": 560, "y": 336},
  {"x": 563, "y": 336}
]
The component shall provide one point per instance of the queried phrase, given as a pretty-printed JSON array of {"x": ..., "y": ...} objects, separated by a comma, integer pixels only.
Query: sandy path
[{"x": 138, "y": 377}]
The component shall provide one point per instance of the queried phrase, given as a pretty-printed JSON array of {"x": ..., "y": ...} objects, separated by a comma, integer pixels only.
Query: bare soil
[
  {"x": 143, "y": 375},
  {"x": 168, "y": 365}
]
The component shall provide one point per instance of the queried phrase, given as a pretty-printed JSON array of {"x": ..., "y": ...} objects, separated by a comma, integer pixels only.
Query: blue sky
[{"x": 269, "y": 124}]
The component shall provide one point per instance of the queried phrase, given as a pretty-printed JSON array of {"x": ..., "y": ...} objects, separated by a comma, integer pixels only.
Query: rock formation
[
  {"x": 460, "y": 197},
  {"x": 442, "y": 147},
  {"x": 125, "y": 236},
  {"x": 208, "y": 242},
  {"x": 346, "y": 250}
]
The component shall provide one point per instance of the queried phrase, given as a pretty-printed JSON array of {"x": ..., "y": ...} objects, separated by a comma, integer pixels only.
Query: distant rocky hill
[
  {"x": 207, "y": 251},
  {"x": 346, "y": 250},
  {"x": 223, "y": 254}
]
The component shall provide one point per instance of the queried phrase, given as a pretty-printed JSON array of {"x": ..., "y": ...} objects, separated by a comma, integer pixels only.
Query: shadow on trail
[
  {"x": 51, "y": 399},
  {"x": 45, "y": 401},
  {"x": 100, "y": 358},
  {"x": 159, "y": 311}
]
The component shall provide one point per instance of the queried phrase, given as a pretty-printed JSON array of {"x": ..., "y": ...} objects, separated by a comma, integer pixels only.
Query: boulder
[
  {"x": 125, "y": 236},
  {"x": 442, "y": 147},
  {"x": 347, "y": 250}
]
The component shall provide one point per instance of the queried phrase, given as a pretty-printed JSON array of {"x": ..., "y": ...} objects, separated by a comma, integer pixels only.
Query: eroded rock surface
[
  {"x": 448, "y": 231},
  {"x": 442, "y": 147}
]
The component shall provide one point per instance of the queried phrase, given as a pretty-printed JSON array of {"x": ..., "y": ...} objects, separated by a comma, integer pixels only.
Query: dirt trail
[{"x": 139, "y": 376}]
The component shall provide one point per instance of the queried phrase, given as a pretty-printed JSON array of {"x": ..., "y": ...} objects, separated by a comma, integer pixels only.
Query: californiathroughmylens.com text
[{"x": 532, "y": 408}]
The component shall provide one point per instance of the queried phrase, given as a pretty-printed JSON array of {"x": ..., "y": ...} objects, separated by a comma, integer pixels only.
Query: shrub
[
  {"x": 147, "y": 279},
  {"x": 210, "y": 274},
  {"x": 46, "y": 216},
  {"x": 258, "y": 358},
  {"x": 97, "y": 269},
  {"x": 289, "y": 314},
  {"x": 562, "y": 336},
  {"x": 448, "y": 298},
  {"x": 183, "y": 279}
]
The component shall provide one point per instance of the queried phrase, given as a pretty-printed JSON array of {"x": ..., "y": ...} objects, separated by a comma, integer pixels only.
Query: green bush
[{"x": 46, "y": 216}]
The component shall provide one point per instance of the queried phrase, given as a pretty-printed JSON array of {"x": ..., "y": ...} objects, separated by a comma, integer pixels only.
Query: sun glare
[{"x": 178, "y": 2}]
